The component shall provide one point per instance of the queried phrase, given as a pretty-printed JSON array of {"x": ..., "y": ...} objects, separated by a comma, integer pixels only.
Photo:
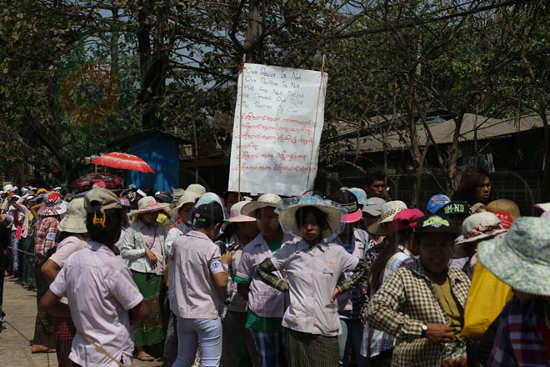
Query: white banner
[{"x": 282, "y": 121}]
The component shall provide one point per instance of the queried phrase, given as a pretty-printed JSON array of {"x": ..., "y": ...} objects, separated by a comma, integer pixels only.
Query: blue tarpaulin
[{"x": 161, "y": 152}]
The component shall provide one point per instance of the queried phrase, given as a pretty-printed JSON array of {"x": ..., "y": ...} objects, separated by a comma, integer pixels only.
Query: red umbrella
[
  {"x": 87, "y": 181},
  {"x": 123, "y": 161}
]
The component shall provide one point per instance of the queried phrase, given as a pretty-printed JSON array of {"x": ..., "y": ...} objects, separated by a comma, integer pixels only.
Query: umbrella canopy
[
  {"x": 123, "y": 161},
  {"x": 85, "y": 182}
]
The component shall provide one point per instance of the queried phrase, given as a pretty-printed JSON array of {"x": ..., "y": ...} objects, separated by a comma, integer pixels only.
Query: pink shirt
[
  {"x": 66, "y": 248},
  {"x": 313, "y": 273},
  {"x": 194, "y": 293},
  {"x": 100, "y": 290},
  {"x": 263, "y": 300}
]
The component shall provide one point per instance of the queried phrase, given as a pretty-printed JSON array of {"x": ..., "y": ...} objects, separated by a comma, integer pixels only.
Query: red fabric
[
  {"x": 505, "y": 219},
  {"x": 44, "y": 239},
  {"x": 123, "y": 161}
]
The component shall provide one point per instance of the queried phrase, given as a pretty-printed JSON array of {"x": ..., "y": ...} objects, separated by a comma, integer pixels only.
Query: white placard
[{"x": 282, "y": 120}]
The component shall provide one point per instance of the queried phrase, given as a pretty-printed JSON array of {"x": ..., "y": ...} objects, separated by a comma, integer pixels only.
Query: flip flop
[{"x": 145, "y": 357}]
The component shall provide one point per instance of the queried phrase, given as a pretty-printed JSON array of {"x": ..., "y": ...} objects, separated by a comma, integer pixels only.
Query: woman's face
[
  {"x": 435, "y": 252},
  {"x": 310, "y": 230},
  {"x": 185, "y": 212},
  {"x": 149, "y": 218},
  {"x": 483, "y": 190}
]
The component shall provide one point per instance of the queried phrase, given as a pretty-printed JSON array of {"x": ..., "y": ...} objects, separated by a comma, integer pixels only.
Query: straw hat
[
  {"x": 504, "y": 205},
  {"x": 196, "y": 188},
  {"x": 148, "y": 204},
  {"x": 264, "y": 201},
  {"x": 287, "y": 215},
  {"x": 75, "y": 220},
  {"x": 188, "y": 197},
  {"x": 389, "y": 210},
  {"x": 521, "y": 258},
  {"x": 235, "y": 215}
]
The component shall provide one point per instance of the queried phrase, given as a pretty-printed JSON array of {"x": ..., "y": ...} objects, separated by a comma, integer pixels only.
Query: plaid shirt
[
  {"x": 376, "y": 340},
  {"x": 44, "y": 239},
  {"x": 405, "y": 302},
  {"x": 518, "y": 341}
]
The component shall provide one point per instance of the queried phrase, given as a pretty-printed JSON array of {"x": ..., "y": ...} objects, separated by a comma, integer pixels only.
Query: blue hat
[{"x": 437, "y": 202}]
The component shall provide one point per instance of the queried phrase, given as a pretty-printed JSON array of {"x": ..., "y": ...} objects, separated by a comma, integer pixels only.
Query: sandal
[{"x": 145, "y": 357}]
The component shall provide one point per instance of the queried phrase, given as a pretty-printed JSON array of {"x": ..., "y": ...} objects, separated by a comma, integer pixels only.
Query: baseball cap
[
  {"x": 349, "y": 204},
  {"x": 461, "y": 208},
  {"x": 437, "y": 202},
  {"x": 406, "y": 219},
  {"x": 436, "y": 224}
]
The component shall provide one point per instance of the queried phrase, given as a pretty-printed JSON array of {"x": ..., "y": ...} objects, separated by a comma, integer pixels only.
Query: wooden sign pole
[{"x": 241, "y": 123}]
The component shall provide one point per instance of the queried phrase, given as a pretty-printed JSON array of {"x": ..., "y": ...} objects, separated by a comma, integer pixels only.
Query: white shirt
[
  {"x": 195, "y": 294},
  {"x": 101, "y": 291}
]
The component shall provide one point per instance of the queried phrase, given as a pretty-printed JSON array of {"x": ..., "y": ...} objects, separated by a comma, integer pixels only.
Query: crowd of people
[{"x": 350, "y": 278}]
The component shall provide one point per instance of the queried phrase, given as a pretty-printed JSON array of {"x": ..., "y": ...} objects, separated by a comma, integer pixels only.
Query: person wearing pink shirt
[
  {"x": 198, "y": 276},
  {"x": 101, "y": 293}
]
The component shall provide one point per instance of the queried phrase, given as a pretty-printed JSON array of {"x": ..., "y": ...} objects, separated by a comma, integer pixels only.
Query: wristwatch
[{"x": 424, "y": 328}]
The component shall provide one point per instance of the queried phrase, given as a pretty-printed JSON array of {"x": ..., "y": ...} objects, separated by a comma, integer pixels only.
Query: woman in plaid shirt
[{"x": 423, "y": 307}]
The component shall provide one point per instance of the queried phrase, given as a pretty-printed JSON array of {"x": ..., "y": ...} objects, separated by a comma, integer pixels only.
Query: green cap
[{"x": 101, "y": 197}]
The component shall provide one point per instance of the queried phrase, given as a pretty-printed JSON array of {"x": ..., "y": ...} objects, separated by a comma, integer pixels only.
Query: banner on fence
[{"x": 279, "y": 118}]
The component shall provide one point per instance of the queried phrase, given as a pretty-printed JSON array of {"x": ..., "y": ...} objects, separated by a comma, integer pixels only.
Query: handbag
[{"x": 486, "y": 299}]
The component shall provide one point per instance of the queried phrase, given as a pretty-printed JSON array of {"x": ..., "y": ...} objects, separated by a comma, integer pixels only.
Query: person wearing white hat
[
  {"x": 241, "y": 230},
  {"x": 144, "y": 248},
  {"x": 73, "y": 237},
  {"x": 383, "y": 226},
  {"x": 197, "y": 189},
  {"x": 100, "y": 291},
  {"x": 183, "y": 207},
  {"x": 475, "y": 228},
  {"x": 314, "y": 265},
  {"x": 266, "y": 305}
]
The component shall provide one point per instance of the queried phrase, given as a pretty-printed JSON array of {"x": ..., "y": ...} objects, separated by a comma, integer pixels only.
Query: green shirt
[{"x": 257, "y": 323}]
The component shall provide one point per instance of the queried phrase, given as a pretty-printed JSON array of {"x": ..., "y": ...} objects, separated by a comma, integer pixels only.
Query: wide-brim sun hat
[
  {"x": 479, "y": 226},
  {"x": 289, "y": 207},
  {"x": 196, "y": 188},
  {"x": 521, "y": 257},
  {"x": 264, "y": 201},
  {"x": 148, "y": 204},
  {"x": 504, "y": 205},
  {"x": 236, "y": 216},
  {"x": 389, "y": 210},
  {"x": 75, "y": 220},
  {"x": 188, "y": 197}
]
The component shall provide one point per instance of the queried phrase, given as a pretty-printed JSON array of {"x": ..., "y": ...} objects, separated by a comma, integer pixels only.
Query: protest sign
[{"x": 277, "y": 129}]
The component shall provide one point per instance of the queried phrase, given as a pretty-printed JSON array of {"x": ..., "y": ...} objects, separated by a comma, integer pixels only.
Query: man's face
[
  {"x": 435, "y": 251},
  {"x": 268, "y": 222},
  {"x": 376, "y": 189}
]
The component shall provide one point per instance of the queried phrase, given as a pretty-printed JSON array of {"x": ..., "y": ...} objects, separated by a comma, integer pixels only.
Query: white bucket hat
[
  {"x": 75, "y": 219},
  {"x": 264, "y": 201},
  {"x": 389, "y": 210},
  {"x": 148, "y": 204},
  {"x": 236, "y": 216}
]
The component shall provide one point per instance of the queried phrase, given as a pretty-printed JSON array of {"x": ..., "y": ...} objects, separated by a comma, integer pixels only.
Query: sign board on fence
[{"x": 282, "y": 121}]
